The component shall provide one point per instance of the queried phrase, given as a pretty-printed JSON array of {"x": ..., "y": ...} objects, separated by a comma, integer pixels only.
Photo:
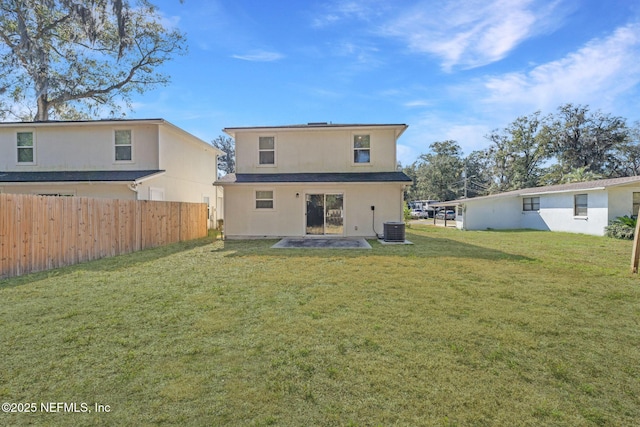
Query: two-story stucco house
[
  {"x": 147, "y": 159},
  {"x": 318, "y": 179}
]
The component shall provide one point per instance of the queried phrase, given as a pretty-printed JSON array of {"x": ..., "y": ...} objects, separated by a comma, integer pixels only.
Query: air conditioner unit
[{"x": 394, "y": 231}]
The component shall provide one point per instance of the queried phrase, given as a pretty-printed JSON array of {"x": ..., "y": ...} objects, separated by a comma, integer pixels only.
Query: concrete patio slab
[
  {"x": 313, "y": 243},
  {"x": 383, "y": 242}
]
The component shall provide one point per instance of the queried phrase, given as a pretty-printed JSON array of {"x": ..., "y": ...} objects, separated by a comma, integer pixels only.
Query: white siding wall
[
  {"x": 556, "y": 212},
  {"x": 288, "y": 216},
  {"x": 492, "y": 213},
  {"x": 621, "y": 201}
]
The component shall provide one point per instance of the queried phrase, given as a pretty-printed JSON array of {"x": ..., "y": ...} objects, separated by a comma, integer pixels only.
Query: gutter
[
  {"x": 133, "y": 186},
  {"x": 562, "y": 191}
]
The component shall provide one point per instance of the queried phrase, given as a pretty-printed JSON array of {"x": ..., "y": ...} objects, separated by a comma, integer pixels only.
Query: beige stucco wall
[
  {"x": 316, "y": 150},
  {"x": 288, "y": 216},
  {"x": 191, "y": 170},
  {"x": 190, "y": 164},
  {"x": 85, "y": 147}
]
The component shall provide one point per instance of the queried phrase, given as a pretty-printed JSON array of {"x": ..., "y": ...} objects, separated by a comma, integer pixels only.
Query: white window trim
[
  {"x": 275, "y": 155},
  {"x": 531, "y": 210},
  {"x": 133, "y": 154},
  {"x": 586, "y": 215},
  {"x": 353, "y": 149},
  {"x": 632, "y": 203},
  {"x": 255, "y": 199},
  {"x": 35, "y": 157}
]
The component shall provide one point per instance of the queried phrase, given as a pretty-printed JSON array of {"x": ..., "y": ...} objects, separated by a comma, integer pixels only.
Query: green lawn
[{"x": 461, "y": 328}]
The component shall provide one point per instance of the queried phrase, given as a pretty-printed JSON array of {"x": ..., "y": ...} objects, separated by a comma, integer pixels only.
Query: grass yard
[{"x": 487, "y": 328}]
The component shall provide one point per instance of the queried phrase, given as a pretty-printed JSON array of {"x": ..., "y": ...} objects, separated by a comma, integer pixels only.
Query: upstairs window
[
  {"x": 361, "y": 149},
  {"x": 264, "y": 199},
  {"x": 25, "y": 147},
  {"x": 123, "y": 145},
  {"x": 531, "y": 204},
  {"x": 580, "y": 205},
  {"x": 267, "y": 150}
]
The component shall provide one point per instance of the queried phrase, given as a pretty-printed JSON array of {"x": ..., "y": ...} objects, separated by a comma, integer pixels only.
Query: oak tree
[{"x": 73, "y": 59}]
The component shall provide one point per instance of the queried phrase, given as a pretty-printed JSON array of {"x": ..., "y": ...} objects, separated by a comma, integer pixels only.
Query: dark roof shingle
[
  {"x": 76, "y": 176},
  {"x": 241, "y": 178},
  {"x": 574, "y": 186}
]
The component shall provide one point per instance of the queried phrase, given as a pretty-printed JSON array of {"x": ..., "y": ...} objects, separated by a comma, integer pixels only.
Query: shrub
[
  {"x": 623, "y": 227},
  {"x": 406, "y": 213}
]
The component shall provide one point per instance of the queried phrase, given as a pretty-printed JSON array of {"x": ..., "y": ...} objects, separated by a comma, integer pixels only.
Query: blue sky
[{"x": 452, "y": 69}]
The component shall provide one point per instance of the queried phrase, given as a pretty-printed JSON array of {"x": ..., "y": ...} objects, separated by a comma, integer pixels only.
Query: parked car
[
  {"x": 446, "y": 215},
  {"x": 418, "y": 213}
]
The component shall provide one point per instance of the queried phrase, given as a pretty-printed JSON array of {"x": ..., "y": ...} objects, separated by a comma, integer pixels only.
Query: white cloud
[
  {"x": 471, "y": 137},
  {"x": 597, "y": 74},
  {"x": 471, "y": 33},
  {"x": 603, "y": 74},
  {"x": 341, "y": 10},
  {"x": 259, "y": 56},
  {"x": 417, "y": 103}
]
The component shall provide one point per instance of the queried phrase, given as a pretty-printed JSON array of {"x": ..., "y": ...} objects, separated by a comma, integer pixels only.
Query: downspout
[{"x": 134, "y": 184}]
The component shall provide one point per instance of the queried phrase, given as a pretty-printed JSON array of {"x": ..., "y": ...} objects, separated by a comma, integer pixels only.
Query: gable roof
[
  {"x": 600, "y": 184},
  {"x": 77, "y": 176},
  {"x": 333, "y": 177}
]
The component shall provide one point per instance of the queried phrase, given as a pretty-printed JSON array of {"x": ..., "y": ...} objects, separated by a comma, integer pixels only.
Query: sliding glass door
[{"x": 325, "y": 214}]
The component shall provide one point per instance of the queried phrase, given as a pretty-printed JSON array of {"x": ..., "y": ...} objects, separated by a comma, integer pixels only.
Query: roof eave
[{"x": 232, "y": 131}]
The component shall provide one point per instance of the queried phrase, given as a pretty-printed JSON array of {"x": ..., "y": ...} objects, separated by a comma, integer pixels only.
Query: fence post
[{"x": 635, "y": 254}]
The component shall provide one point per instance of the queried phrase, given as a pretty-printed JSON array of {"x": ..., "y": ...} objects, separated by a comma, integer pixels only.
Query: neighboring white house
[
  {"x": 147, "y": 159},
  {"x": 318, "y": 179},
  {"x": 581, "y": 207}
]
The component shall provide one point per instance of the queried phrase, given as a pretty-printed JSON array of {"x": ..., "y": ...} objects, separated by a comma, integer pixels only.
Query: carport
[{"x": 450, "y": 205}]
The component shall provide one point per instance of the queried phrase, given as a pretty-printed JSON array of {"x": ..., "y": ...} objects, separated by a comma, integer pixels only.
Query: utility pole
[{"x": 464, "y": 177}]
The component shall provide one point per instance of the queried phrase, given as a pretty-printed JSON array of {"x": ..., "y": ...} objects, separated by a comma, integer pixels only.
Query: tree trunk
[{"x": 42, "y": 115}]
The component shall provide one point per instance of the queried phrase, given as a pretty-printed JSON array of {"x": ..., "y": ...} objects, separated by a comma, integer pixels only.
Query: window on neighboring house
[
  {"x": 25, "y": 147},
  {"x": 264, "y": 199},
  {"x": 531, "y": 204},
  {"x": 123, "y": 145},
  {"x": 580, "y": 205},
  {"x": 205, "y": 199},
  {"x": 636, "y": 204},
  {"x": 361, "y": 149},
  {"x": 267, "y": 150}
]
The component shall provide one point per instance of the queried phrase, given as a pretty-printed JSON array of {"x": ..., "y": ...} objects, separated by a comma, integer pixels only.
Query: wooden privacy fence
[{"x": 42, "y": 232}]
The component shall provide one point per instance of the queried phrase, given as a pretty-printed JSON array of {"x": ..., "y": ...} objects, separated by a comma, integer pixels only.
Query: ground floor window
[
  {"x": 580, "y": 205},
  {"x": 636, "y": 204},
  {"x": 531, "y": 204},
  {"x": 264, "y": 199}
]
